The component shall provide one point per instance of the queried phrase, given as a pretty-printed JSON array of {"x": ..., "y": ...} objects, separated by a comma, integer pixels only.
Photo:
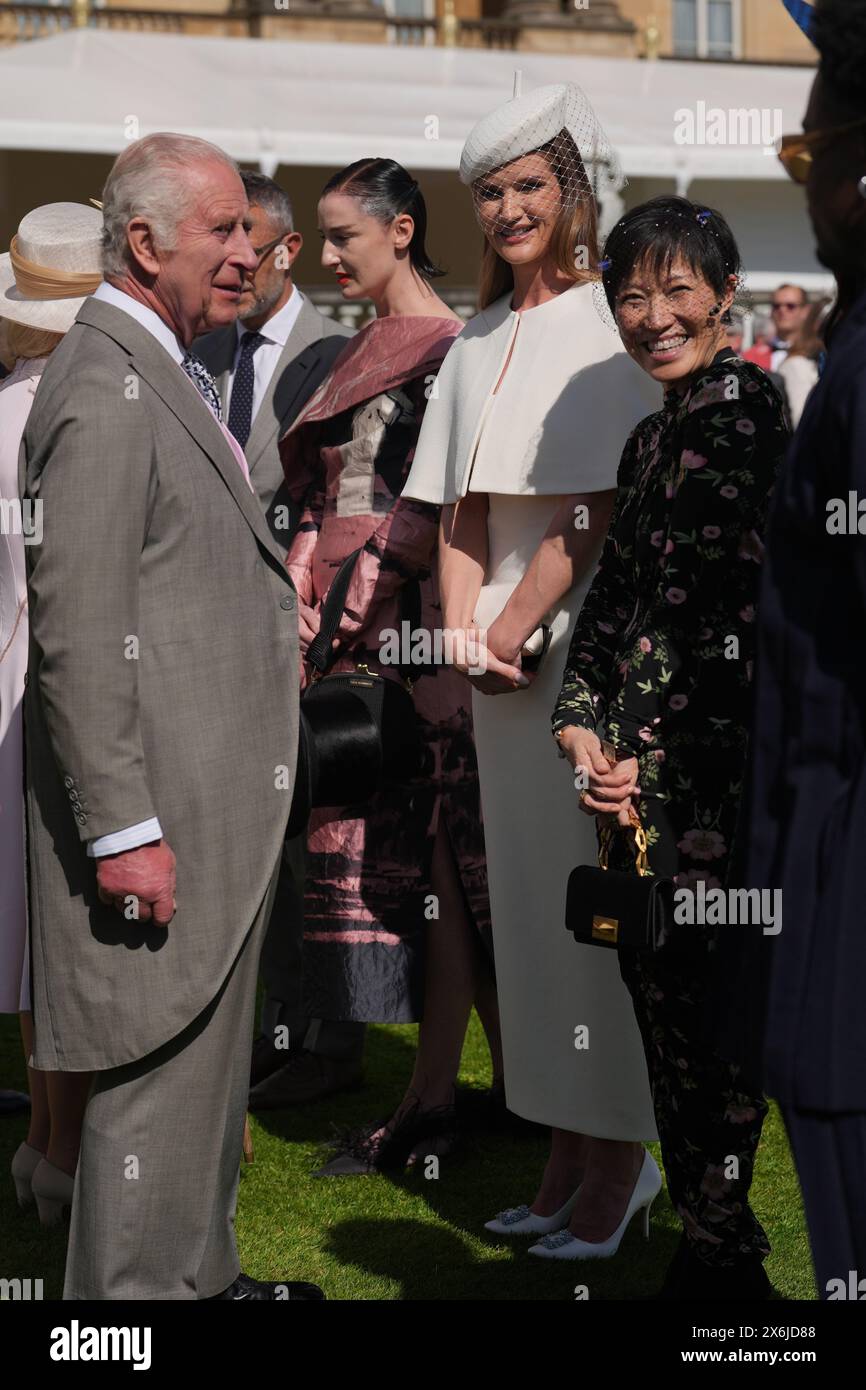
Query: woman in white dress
[
  {"x": 54, "y": 261},
  {"x": 521, "y": 445},
  {"x": 799, "y": 370}
]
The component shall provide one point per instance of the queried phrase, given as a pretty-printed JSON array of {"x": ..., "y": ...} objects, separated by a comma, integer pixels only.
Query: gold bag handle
[{"x": 609, "y": 830}]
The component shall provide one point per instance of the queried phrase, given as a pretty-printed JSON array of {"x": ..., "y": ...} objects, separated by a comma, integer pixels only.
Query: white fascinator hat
[
  {"x": 557, "y": 121},
  {"x": 53, "y": 263}
]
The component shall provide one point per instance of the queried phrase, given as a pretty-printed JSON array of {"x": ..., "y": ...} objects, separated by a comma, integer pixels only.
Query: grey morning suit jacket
[
  {"x": 312, "y": 347},
  {"x": 163, "y": 681}
]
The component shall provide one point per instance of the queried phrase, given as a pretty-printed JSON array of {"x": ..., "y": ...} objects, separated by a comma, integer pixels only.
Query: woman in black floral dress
[{"x": 661, "y": 661}]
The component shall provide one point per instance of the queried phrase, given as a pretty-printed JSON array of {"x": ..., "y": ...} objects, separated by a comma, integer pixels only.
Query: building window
[
  {"x": 705, "y": 29},
  {"x": 409, "y": 9}
]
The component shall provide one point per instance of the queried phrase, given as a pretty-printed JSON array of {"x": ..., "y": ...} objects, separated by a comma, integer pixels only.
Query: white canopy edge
[{"x": 284, "y": 102}]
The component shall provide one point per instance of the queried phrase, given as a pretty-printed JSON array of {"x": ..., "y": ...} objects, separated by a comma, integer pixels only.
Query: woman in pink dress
[
  {"x": 54, "y": 261},
  {"x": 397, "y": 917}
]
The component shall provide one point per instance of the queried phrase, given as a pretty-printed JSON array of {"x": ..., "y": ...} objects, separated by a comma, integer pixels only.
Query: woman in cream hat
[
  {"x": 521, "y": 447},
  {"x": 52, "y": 264}
]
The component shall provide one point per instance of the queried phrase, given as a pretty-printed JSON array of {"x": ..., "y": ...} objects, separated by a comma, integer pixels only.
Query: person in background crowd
[
  {"x": 377, "y": 946},
  {"x": 809, "y": 779},
  {"x": 267, "y": 365},
  {"x": 521, "y": 446},
  {"x": 790, "y": 307},
  {"x": 53, "y": 263},
  {"x": 799, "y": 371},
  {"x": 761, "y": 352},
  {"x": 162, "y": 693},
  {"x": 734, "y": 334},
  {"x": 651, "y": 665}
]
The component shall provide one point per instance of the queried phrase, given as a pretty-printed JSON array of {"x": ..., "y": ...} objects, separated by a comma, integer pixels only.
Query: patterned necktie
[
  {"x": 203, "y": 381},
  {"x": 243, "y": 386}
]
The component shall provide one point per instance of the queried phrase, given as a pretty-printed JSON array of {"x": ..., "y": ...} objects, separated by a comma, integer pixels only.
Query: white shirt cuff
[{"x": 130, "y": 838}]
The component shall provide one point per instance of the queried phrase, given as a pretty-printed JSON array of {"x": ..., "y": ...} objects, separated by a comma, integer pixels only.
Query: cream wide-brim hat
[{"x": 53, "y": 264}]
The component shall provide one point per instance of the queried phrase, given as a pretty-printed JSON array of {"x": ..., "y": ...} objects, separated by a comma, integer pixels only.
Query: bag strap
[
  {"x": 605, "y": 839},
  {"x": 321, "y": 654}
]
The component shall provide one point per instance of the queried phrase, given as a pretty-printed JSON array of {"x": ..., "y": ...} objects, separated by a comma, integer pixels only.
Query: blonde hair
[{"x": 23, "y": 340}]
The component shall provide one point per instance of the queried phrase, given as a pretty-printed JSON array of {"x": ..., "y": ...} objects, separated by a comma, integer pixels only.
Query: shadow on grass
[
  {"x": 388, "y": 1061},
  {"x": 432, "y": 1263}
]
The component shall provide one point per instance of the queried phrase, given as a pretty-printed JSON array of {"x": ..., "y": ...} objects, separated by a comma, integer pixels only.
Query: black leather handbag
[
  {"x": 357, "y": 729},
  {"x": 621, "y": 911}
]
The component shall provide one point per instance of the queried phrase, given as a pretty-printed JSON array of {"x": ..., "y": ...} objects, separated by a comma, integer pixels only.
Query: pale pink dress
[{"x": 16, "y": 398}]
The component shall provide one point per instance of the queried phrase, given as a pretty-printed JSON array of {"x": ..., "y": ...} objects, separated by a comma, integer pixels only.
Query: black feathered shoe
[{"x": 389, "y": 1146}]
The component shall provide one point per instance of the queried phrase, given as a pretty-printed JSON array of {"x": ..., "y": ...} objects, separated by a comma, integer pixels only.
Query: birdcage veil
[{"x": 556, "y": 122}]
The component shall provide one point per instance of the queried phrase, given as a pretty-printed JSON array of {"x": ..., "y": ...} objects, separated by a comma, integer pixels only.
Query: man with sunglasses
[
  {"x": 267, "y": 365},
  {"x": 808, "y": 823},
  {"x": 790, "y": 307}
]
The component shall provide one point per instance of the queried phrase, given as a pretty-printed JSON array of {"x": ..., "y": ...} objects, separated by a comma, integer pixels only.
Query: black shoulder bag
[{"x": 356, "y": 728}]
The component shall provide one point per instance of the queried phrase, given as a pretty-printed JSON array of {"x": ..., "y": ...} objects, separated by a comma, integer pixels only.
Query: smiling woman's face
[
  {"x": 670, "y": 319},
  {"x": 518, "y": 206}
]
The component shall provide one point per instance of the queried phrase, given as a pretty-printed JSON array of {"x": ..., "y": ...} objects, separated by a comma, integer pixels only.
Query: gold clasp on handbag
[{"x": 605, "y": 929}]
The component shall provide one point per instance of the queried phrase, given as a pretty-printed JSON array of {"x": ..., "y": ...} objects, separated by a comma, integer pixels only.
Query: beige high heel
[
  {"x": 53, "y": 1191},
  {"x": 25, "y": 1161}
]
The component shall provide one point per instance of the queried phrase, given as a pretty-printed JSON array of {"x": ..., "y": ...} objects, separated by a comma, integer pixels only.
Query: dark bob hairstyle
[
  {"x": 658, "y": 232},
  {"x": 385, "y": 190}
]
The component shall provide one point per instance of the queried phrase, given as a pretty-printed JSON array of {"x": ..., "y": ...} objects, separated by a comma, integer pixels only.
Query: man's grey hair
[
  {"x": 151, "y": 179},
  {"x": 272, "y": 199}
]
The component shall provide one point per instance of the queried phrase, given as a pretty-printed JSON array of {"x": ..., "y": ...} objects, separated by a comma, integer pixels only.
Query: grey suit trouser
[
  {"x": 156, "y": 1187},
  {"x": 282, "y": 972}
]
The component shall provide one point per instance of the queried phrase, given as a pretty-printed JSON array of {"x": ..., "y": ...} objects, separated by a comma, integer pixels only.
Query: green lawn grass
[{"x": 412, "y": 1238}]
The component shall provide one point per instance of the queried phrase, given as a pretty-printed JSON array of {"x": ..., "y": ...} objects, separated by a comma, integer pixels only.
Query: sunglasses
[
  {"x": 787, "y": 304},
  {"x": 796, "y": 151},
  {"x": 262, "y": 251}
]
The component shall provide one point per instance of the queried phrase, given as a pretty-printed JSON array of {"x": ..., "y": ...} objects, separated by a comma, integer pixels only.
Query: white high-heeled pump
[
  {"x": 564, "y": 1246},
  {"x": 53, "y": 1190},
  {"x": 25, "y": 1161},
  {"x": 520, "y": 1221}
]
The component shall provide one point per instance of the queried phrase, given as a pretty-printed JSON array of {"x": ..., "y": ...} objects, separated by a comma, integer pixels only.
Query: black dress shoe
[
  {"x": 13, "y": 1102},
  {"x": 266, "y": 1059},
  {"x": 246, "y": 1288}
]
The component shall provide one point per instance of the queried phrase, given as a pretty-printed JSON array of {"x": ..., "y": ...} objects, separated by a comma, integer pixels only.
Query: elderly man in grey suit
[
  {"x": 266, "y": 366},
  {"x": 161, "y": 721}
]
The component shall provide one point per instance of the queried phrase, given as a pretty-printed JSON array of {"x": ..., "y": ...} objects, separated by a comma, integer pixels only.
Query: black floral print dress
[{"x": 661, "y": 658}]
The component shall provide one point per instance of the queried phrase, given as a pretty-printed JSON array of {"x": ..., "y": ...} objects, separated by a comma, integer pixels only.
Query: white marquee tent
[{"x": 275, "y": 102}]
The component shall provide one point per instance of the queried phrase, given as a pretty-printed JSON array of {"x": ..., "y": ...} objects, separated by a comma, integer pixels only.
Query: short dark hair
[
  {"x": 385, "y": 190},
  {"x": 660, "y": 230},
  {"x": 267, "y": 195},
  {"x": 839, "y": 33}
]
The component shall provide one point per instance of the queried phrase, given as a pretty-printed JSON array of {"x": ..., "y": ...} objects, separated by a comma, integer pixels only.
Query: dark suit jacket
[
  {"x": 313, "y": 346},
  {"x": 808, "y": 831}
]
